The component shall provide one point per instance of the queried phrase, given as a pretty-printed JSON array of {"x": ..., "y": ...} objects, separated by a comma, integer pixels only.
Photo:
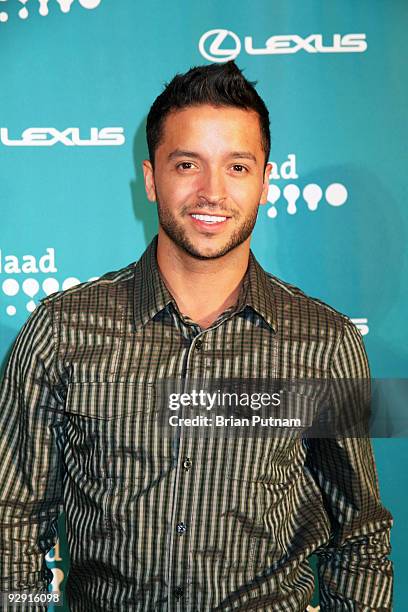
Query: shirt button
[
  {"x": 198, "y": 344},
  {"x": 178, "y": 592},
  {"x": 187, "y": 463},
  {"x": 181, "y": 528}
]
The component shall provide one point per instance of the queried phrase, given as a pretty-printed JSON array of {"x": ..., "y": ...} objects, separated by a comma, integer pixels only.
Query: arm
[
  {"x": 354, "y": 571},
  {"x": 30, "y": 462}
]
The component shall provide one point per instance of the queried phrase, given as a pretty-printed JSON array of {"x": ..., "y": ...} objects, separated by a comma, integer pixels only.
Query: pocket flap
[{"x": 108, "y": 400}]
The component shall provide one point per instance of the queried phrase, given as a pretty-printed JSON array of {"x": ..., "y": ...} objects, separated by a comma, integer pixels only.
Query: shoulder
[
  {"x": 110, "y": 285},
  {"x": 310, "y": 327},
  {"x": 289, "y": 295},
  {"x": 293, "y": 305}
]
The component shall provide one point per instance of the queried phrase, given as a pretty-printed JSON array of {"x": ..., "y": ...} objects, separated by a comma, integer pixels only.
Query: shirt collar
[
  {"x": 257, "y": 292},
  {"x": 151, "y": 295}
]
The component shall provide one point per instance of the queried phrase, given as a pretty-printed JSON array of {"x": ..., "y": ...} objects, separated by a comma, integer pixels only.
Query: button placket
[{"x": 184, "y": 464}]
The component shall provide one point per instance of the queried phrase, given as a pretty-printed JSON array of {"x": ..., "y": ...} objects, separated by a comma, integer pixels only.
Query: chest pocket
[
  {"x": 113, "y": 431},
  {"x": 269, "y": 450}
]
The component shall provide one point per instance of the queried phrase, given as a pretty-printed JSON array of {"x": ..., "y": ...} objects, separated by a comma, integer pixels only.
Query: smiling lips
[
  {"x": 208, "y": 218},
  {"x": 208, "y": 221}
]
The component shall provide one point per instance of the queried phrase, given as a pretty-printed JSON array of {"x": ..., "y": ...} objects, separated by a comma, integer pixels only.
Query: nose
[{"x": 212, "y": 188}]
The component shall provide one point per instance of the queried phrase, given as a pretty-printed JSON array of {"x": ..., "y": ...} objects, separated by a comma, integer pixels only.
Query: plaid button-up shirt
[{"x": 201, "y": 523}]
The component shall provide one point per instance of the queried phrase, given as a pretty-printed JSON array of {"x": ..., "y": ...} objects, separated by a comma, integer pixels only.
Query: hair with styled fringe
[{"x": 215, "y": 84}]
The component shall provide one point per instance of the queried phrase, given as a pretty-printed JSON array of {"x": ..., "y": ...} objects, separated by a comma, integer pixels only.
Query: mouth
[
  {"x": 208, "y": 221},
  {"x": 208, "y": 218}
]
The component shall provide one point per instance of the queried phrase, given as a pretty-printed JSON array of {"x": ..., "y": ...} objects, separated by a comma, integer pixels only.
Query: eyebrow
[
  {"x": 243, "y": 155},
  {"x": 181, "y": 153},
  {"x": 236, "y": 155}
]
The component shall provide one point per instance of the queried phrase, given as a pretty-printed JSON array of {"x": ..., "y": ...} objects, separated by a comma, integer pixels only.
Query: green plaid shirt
[{"x": 203, "y": 523}]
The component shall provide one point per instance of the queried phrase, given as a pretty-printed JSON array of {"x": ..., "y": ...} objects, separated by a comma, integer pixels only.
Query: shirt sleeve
[
  {"x": 31, "y": 410},
  {"x": 353, "y": 569}
]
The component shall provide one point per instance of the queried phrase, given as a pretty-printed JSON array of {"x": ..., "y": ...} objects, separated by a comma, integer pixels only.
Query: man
[{"x": 180, "y": 522}]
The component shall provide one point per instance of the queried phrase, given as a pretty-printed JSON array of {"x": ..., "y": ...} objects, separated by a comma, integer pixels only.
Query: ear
[
  {"x": 149, "y": 180},
  {"x": 264, "y": 195}
]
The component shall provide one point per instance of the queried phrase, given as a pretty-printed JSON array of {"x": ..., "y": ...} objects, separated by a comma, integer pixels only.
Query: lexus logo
[
  {"x": 223, "y": 45},
  {"x": 215, "y": 53}
]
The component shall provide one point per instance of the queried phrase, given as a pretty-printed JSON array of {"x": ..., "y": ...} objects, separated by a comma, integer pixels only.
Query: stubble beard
[{"x": 178, "y": 234}]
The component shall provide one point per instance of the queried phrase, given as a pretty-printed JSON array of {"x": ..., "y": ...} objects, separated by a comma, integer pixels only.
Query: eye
[
  {"x": 185, "y": 165},
  {"x": 239, "y": 168}
]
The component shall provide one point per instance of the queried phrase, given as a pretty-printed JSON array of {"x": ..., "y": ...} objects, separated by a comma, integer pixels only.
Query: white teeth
[{"x": 209, "y": 218}]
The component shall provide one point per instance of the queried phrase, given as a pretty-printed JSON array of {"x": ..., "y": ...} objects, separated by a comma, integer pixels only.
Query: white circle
[
  {"x": 336, "y": 194},
  {"x": 31, "y": 306},
  {"x": 272, "y": 212},
  {"x": 50, "y": 285},
  {"x": 215, "y": 54},
  {"x": 3, "y": 19},
  {"x": 31, "y": 287},
  {"x": 90, "y": 4},
  {"x": 23, "y": 13},
  {"x": 70, "y": 282},
  {"x": 10, "y": 287},
  {"x": 11, "y": 310},
  {"x": 291, "y": 192}
]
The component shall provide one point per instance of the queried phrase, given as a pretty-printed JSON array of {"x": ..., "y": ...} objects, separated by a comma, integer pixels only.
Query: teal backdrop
[{"x": 84, "y": 73}]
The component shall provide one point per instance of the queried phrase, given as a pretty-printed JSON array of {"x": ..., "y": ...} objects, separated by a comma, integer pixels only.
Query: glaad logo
[
  {"x": 335, "y": 194},
  {"x": 29, "y": 265},
  {"x": 70, "y": 137},
  {"x": 65, "y": 6},
  {"x": 222, "y": 45}
]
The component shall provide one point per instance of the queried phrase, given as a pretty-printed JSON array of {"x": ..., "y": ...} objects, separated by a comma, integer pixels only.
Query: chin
[{"x": 208, "y": 252}]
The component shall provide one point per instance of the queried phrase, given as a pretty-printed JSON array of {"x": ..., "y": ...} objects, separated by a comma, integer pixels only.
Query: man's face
[{"x": 209, "y": 178}]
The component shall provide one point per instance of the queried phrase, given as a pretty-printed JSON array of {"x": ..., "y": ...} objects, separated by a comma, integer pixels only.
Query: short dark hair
[{"x": 215, "y": 84}]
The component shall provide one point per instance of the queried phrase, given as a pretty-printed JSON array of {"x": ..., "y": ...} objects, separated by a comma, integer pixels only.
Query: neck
[{"x": 202, "y": 289}]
